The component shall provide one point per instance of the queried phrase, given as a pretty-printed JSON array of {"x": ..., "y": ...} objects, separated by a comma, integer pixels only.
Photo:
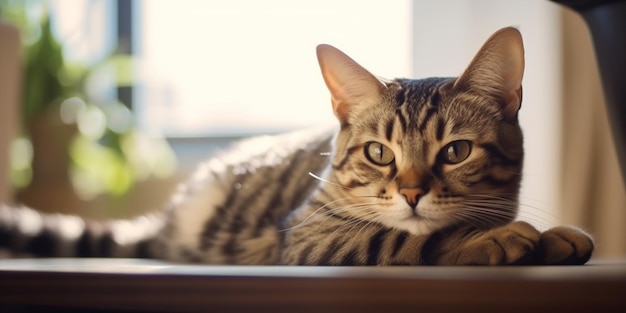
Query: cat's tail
[{"x": 27, "y": 233}]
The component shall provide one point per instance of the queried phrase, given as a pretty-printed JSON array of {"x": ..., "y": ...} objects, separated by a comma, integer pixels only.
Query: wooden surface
[{"x": 129, "y": 285}]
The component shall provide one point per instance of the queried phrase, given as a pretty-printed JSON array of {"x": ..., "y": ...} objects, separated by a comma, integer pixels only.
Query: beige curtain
[{"x": 593, "y": 193}]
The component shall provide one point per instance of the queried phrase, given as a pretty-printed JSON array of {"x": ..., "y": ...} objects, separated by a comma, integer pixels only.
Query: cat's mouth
[
  {"x": 416, "y": 216},
  {"x": 417, "y": 222}
]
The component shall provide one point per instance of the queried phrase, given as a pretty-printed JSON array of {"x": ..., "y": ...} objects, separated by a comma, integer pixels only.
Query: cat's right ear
[
  {"x": 353, "y": 89},
  {"x": 497, "y": 69}
]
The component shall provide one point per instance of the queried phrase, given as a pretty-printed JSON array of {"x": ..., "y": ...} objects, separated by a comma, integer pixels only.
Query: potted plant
[{"x": 83, "y": 146}]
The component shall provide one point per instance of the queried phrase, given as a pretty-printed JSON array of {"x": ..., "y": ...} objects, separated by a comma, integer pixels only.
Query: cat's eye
[
  {"x": 456, "y": 151},
  {"x": 378, "y": 153}
]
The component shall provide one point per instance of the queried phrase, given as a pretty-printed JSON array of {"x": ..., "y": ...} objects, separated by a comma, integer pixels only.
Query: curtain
[{"x": 593, "y": 194}]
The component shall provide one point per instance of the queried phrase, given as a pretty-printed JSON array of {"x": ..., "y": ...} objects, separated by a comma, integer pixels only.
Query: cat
[{"x": 418, "y": 172}]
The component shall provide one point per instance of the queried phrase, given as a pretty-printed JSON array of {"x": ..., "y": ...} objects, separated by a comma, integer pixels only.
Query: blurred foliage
[
  {"x": 108, "y": 154},
  {"x": 43, "y": 56}
]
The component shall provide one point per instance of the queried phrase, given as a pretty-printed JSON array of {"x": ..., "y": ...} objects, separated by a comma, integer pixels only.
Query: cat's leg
[
  {"x": 565, "y": 245},
  {"x": 514, "y": 243},
  {"x": 517, "y": 243}
]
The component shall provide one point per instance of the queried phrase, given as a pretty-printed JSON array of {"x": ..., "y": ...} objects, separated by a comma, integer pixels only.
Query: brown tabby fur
[{"x": 420, "y": 172}]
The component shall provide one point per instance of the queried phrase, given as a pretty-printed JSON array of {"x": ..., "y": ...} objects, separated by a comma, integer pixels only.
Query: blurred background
[{"x": 120, "y": 99}]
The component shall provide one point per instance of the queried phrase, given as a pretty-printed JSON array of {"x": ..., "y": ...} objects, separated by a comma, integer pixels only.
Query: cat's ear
[
  {"x": 353, "y": 89},
  {"x": 497, "y": 69}
]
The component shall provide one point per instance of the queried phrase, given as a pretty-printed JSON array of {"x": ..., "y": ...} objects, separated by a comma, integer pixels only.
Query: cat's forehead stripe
[
  {"x": 418, "y": 101},
  {"x": 389, "y": 128},
  {"x": 402, "y": 118},
  {"x": 430, "y": 113},
  {"x": 400, "y": 98},
  {"x": 440, "y": 129}
]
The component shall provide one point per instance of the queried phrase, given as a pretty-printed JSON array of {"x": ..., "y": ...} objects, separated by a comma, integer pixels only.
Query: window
[{"x": 247, "y": 66}]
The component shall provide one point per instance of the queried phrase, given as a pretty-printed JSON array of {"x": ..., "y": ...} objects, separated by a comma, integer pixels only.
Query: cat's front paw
[
  {"x": 565, "y": 246},
  {"x": 514, "y": 243}
]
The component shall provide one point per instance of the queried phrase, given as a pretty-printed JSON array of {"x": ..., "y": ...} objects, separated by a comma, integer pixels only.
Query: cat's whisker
[
  {"x": 494, "y": 211},
  {"x": 472, "y": 219},
  {"x": 349, "y": 223},
  {"x": 495, "y": 196},
  {"x": 480, "y": 219},
  {"x": 538, "y": 216},
  {"x": 365, "y": 211},
  {"x": 502, "y": 210},
  {"x": 523, "y": 203},
  {"x": 351, "y": 207},
  {"x": 551, "y": 218},
  {"x": 304, "y": 222},
  {"x": 324, "y": 211},
  {"x": 364, "y": 223},
  {"x": 366, "y": 215},
  {"x": 328, "y": 181},
  {"x": 493, "y": 220},
  {"x": 541, "y": 221},
  {"x": 539, "y": 212}
]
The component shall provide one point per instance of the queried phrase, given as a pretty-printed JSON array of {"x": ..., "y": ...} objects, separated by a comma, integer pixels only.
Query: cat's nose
[{"x": 412, "y": 195}]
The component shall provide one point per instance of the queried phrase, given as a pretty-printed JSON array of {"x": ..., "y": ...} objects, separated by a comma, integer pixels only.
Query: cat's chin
[{"x": 416, "y": 225}]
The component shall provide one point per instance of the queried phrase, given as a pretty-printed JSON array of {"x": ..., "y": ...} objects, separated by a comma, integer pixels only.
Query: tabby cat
[{"x": 420, "y": 171}]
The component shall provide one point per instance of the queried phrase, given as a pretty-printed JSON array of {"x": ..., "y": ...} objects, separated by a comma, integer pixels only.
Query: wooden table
[{"x": 113, "y": 285}]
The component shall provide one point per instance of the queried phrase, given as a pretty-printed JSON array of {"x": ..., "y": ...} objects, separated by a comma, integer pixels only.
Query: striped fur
[{"x": 420, "y": 172}]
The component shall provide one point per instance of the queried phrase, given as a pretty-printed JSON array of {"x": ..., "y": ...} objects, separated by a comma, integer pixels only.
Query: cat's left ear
[
  {"x": 353, "y": 89},
  {"x": 497, "y": 69}
]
